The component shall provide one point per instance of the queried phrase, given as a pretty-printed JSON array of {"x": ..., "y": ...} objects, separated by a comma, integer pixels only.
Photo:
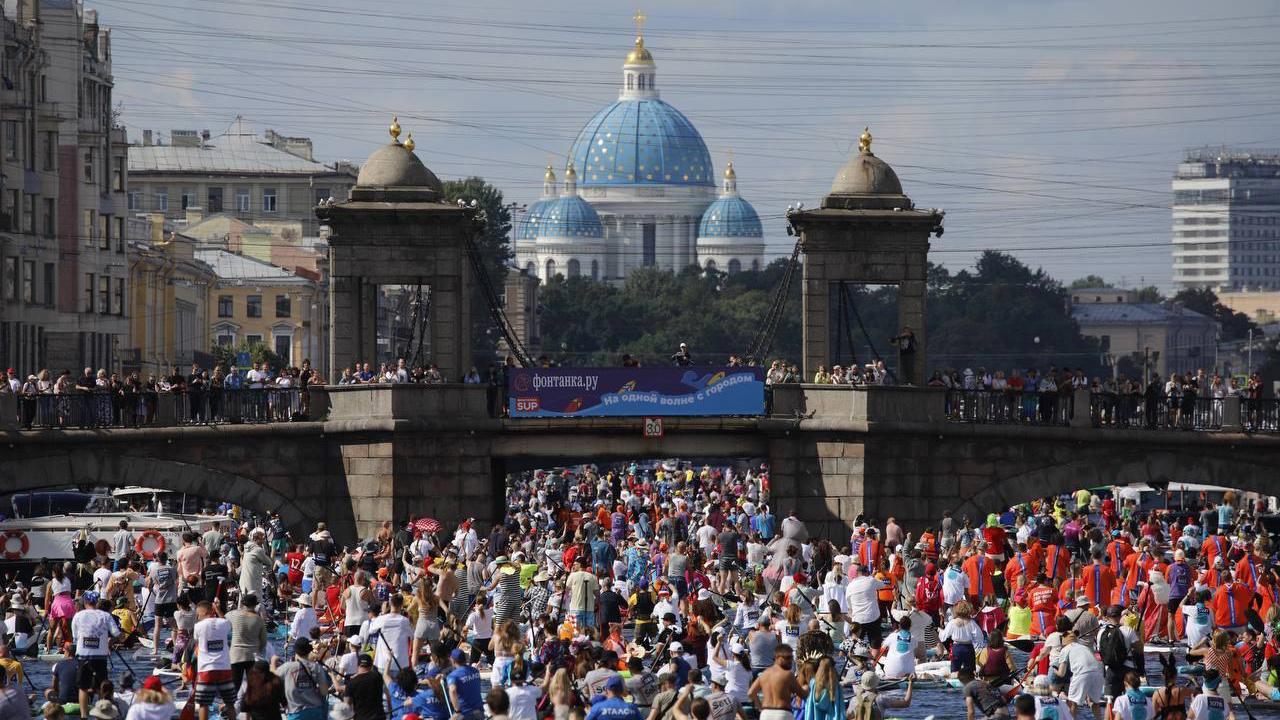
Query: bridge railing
[
  {"x": 1261, "y": 415},
  {"x": 1010, "y": 407},
  {"x": 1158, "y": 412},
  {"x": 104, "y": 409}
]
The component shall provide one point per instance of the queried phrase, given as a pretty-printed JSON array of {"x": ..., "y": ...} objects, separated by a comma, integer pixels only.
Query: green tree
[
  {"x": 258, "y": 352},
  {"x": 1088, "y": 281},
  {"x": 494, "y": 246},
  {"x": 1235, "y": 326},
  {"x": 1148, "y": 294}
]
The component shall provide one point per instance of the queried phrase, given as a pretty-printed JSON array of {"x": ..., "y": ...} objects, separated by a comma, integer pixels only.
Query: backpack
[
  {"x": 1112, "y": 648},
  {"x": 865, "y": 708},
  {"x": 928, "y": 594}
]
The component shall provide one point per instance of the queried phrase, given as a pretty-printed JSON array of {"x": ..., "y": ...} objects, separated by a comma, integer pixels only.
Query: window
[
  {"x": 551, "y": 270},
  {"x": 117, "y": 175},
  {"x": 88, "y": 165},
  {"x": 641, "y": 81},
  {"x": 29, "y": 217},
  {"x": 284, "y": 306},
  {"x": 226, "y": 340},
  {"x": 711, "y": 266},
  {"x": 10, "y": 139},
  {"x": 11, "y": 278},
  {"x": 104, "y": 293},
  {"x": 117, "y": 297},
  {"x": 14, "y": 209},
  {"x": 268, "y": 200},
  {"x": 253, "y": 306},
  {"x": 575, "y": 268},
  {"x": 29, "y": 282},
  {"x": 735, "y": 265},
  {"x": 630, "y": 81},
  {"x": 284, "y": 343},
  {"x": 88, "y": 292},
  {"x": 252, "y": 340},
  {"x": 162, "y": 199},
  {"x": 650, "y": 236},
  {"x": 107, "y": 227},
  {"x": 50, "y": 218},
  {"x": 50, "y": 150},
  {"x": 226, "y": 306},
  {"x": 188, "y": 198},
  {"x": 595, "y": 269},
  {"x": 242, "y": 200},
  {"x": 215, "y": 200},
  {"x": 50, "y": 283},
  {"x": 90, "y": 228},
  {"x": 322, "y": 194},
  {"x": 119, "y": 222},
  {"x": 135, "y": 200}
]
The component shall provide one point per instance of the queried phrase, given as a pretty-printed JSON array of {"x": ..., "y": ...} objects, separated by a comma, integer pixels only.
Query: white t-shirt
[
  {"x": 394, "y": 630},
  {"x": 101, "y": 577},
  {"x": 481, "y": 625},
  {"x": 213, "y": 636},
  {"x": 900, "y": 658},
  {"x": 1080, "y": 659},
  {"x": 93, "y": 630},
  {"x": 524, "y": 702},
  {"x": 1124, "y": 706},
  {"x": 1207, "y": 706},
  {"x": 862, "y": 599},
  {"x": 255, "y": 378},
  {"x": 1050, "y": 708},
  {"x": 1199, "y": 623},
  {"x": 955, "y": 585}
]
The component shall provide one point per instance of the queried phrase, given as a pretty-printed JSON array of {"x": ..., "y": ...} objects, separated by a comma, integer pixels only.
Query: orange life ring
[
  {"x": 24, "y": 544},
  {"x": 140, "y": 545}
]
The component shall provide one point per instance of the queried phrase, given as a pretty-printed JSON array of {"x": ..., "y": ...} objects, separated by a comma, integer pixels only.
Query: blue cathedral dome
[
  {"x": 568, "y": 216},
  {"x": 641, "y": 142},
  {"x": 730, "y": 217},
  {"x": 528, "y": 228}
]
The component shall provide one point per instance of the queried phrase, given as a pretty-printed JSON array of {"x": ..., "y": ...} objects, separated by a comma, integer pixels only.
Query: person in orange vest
[
  {"x": 1023, "y": 564},
  {"x": 1231, "y": 604},
  {"x": 1215, "y": 546},
  {"x": 1044, "y": 606},
  {"x": 1057, "y": 562},
  {"x": 870, "y": 552},
  {"x": 1135, "y": 571},
  {"x": 930, "y": 543},
  {"x": 889, "y": 587},
  {"x": 1213, "y": 576},
  {"x": 1245, "y": 570},
  {"x": 1099, "y": 581},
  {"x": 1070, "y": 587},
  {"x": 981, "y": 571},
  {"x": 1117, "y": 550}
]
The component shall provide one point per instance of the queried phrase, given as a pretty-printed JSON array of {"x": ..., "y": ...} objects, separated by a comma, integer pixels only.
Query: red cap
[
  {"x": 930, "y": 569},
  {"x": 152, "y": 683}
]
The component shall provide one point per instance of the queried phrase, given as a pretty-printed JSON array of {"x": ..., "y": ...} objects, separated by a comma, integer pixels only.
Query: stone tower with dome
[{"x": 644, "y": 183}]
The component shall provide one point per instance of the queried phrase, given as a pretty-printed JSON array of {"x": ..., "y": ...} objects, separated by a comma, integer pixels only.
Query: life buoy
[
  {"x": 141, "y": 545},
  {"x": 23, "y": 543}
]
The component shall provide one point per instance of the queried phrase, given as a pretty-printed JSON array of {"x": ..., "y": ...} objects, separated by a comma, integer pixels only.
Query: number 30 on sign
[{"x": 653, "y": 427}]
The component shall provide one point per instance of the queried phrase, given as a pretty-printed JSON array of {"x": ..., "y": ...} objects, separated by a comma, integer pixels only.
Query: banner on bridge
[{"x": 635, "y": 392}]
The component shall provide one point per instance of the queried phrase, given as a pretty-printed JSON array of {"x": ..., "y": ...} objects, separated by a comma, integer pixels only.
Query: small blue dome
[
  {"x": 730, "y": 217},
  {"x": 569, "y": 217},
  {"x": 641, "y": 142},
  {"x": 528, "y": 227}
]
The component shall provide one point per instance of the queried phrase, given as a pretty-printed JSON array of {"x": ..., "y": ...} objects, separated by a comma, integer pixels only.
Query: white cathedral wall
[
  {"x": 723, "y": 251},
  {"x": 563, "y": 251}
]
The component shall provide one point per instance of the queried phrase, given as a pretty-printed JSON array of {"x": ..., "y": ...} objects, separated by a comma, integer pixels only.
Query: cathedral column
[
  {"x": 666, "y": 242},
  {"x": 690, "y": 231}
]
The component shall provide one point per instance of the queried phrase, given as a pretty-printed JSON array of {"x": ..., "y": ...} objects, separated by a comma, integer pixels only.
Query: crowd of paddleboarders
[{"x": 664, "y": 592}]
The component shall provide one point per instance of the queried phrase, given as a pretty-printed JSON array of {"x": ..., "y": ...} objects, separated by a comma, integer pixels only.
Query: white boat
[{"x": 29, "y": 540}]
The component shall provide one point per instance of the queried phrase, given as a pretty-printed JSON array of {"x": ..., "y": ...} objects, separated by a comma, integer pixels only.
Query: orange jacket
[
  {"x": 1056, "y": 563},
  {"x": 1117, "y": 551},
  {"x": 1099, "y": 582},
  {"x": 870, "y": 552},
  {"x": 981, "y": 572},
  {"x": 1022, "y": 564},
  {"x": 1231, "y": 605}
]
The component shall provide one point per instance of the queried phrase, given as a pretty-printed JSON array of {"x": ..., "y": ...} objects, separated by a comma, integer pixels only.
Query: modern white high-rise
[{"x": 1226, "y": 220}]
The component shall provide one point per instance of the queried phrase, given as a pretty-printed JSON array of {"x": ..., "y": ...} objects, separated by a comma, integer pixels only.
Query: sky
[{"x": 1047, "y": 129}]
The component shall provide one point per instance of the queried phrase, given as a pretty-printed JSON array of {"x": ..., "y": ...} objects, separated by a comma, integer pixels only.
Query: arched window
[
  {"x": 711, "y": 265},
  {"x": 531, "y": 267},
  {"x": 653, "y": 82},
  {"x": 755, "y": 266},
  {"x": 641, "y": 81},
  {"x": 630, "y": 81},
  {"x": 735, "y": 265},
  {"x": 595, "y": 269},
  {"x": 575, "y": 268},
  {"x": 551, "y": 270}
]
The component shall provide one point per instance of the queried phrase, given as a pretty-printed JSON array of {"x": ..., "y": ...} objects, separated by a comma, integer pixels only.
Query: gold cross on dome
[{"x": 639, "y": 18}]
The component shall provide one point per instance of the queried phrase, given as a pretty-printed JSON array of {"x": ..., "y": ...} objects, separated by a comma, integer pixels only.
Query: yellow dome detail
[
  {"x": 639, "y": 55},
  {"x": 550, "y": 176},
  {"x": 395, "y": 129},
  {"x": 729, "y": 174},
  {"x": 864, "y": 141},
  {"x": 409, "y": 144}
]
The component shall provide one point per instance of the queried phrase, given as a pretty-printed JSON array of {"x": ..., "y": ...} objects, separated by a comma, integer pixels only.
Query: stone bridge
[{"x": 383, "y": 452}]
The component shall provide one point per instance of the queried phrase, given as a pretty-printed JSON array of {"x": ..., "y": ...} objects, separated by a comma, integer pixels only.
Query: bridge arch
[
  {"x": 85, "y": 469},
  {"x": 1105, "y": 466}
]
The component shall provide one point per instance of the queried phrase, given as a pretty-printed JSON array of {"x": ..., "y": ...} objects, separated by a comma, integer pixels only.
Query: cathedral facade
[{"x": 639, "y": 190}]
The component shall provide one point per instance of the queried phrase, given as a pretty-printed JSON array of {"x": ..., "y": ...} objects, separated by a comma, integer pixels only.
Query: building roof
[
  {"x": 569, "y": 216},
  {"x": 230, "y": 266},
  {"x": 641, "y": 142},
  {"x": 1133, "y": 314},
  {"x": 223, "y": 154},
  {"x": 730, "y": 217}
]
